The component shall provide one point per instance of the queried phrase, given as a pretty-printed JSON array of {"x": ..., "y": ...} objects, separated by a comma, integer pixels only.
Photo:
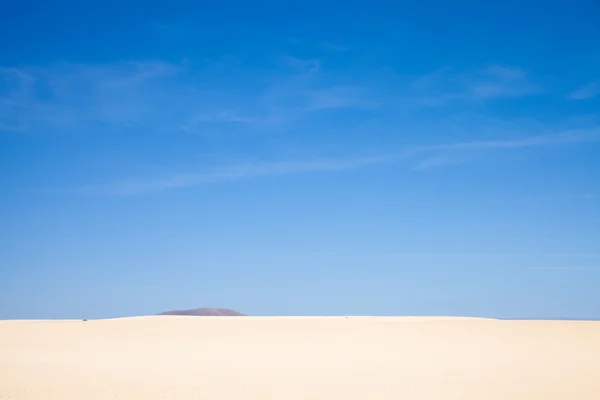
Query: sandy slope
[{"x": 299, "y": 358}]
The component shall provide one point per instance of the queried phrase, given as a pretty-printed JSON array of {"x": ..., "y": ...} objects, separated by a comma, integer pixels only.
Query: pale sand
[{"x": 299, "y": 358}]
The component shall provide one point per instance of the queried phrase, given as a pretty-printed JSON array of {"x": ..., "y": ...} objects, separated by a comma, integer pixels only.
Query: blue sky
[{"x": 313, "y": 158}]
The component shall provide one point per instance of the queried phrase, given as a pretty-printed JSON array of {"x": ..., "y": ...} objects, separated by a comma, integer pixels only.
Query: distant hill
[{"x": 205, "y": 312}]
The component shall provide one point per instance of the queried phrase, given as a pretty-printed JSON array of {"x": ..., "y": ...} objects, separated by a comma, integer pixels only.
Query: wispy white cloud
[
  {"x": 301, "y": 64},
  {"x": 588, "y": 91},
  {"x": 73, "y": 96},
  {"x": 457, "y": 153},
  {"x": 180, "y": 98},
  {"x": 337, "y": 97},
  {"x": 162, "y": 96},
  {"x": 219, "y": 116},
  {"x": 566, "y": 137},
  {"x": 197, "y": 178},
  {"x": 499, "y": 81},
  {"x": 306, "y": 91},
  {"x": 166, "y": 96},
  {"x": 493, "y": 82},
  {"x": 263, "y": 169}
]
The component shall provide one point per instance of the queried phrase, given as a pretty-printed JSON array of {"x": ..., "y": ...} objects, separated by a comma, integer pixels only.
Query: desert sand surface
[{"x": 179, "y": 357}]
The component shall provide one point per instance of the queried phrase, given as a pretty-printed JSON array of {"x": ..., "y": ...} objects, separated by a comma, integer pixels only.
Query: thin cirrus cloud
[
  {"x": 457, "y": 153},
  {"x": 489, "y": 83},
  {"x": 585, "y": 92},
  {"x": 191, "y": 179},
  {"x": 257, "y": 170},
  {"x": 72, "y": 96},
  {"x": 565, "y": 137},
  {"x": 170, "y": 97},
  {"x": 162, "y": 97},
  {"x": 500, "y": 81},
  {"x": 165, "y": 96}
]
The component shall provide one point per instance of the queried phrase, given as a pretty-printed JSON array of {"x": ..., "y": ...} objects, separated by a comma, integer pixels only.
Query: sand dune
[{"x": 172, "y": 357}]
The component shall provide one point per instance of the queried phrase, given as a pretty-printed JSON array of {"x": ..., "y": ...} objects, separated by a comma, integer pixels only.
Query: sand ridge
[{"x": 354, "y": 357}]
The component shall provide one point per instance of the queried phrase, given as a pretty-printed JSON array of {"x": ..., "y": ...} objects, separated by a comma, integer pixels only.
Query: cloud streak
[
  {"x": 265, "y": 169},
  {"x": 169, "y": 97},
  {"x": 493, "y": 82},
  {"x": 238, "y": 172},
  {"x": 160, "y": 97},
  {"x": 567, "y": 137},
  {"x": 589, "y": 91},
  {"x": 70, "y": 96},
  {"x": 165, "y": 97}
]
